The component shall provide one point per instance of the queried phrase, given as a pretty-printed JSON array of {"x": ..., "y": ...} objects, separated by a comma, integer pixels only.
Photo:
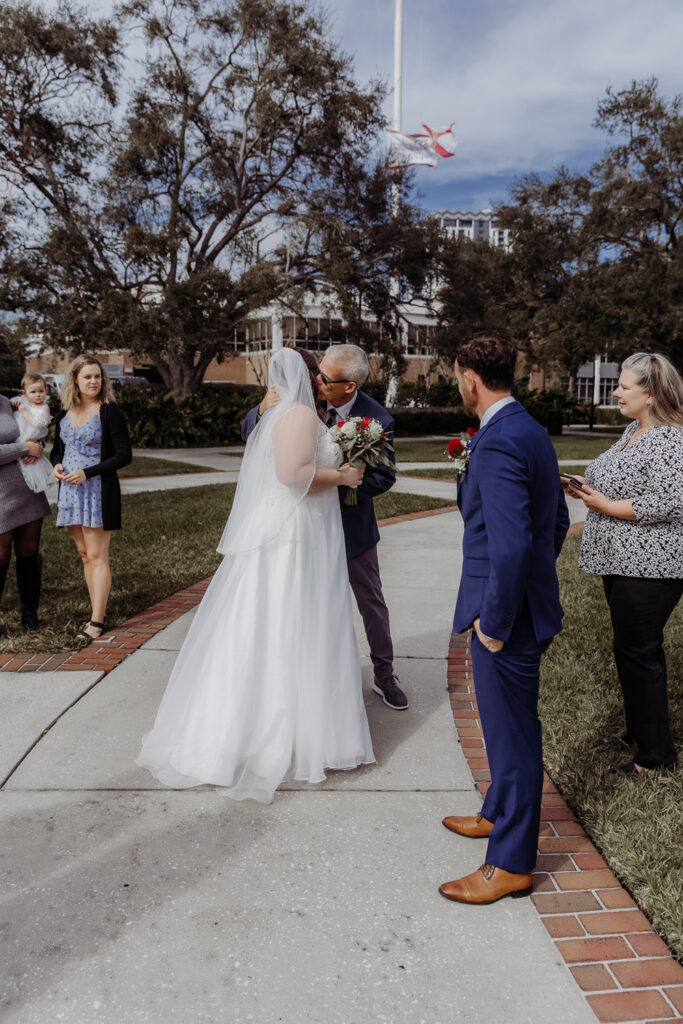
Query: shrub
[
  {"x": 212, "y": 416},
  {"x": 418, "y": 422},
  {"x": 376, "y": 388},
  {"x": 442, "y": 394}
]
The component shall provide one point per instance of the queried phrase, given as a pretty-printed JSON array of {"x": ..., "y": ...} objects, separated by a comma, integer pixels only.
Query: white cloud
[{"x": 521, "y": 79}]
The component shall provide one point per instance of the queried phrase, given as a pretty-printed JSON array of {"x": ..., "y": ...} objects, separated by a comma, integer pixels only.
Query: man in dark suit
[
  {"x": 515, "y": 523},
  {"x": 342, "y": 371}
]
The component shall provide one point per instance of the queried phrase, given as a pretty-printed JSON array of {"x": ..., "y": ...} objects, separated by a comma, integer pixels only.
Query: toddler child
[{"x": 33, "y": 418}]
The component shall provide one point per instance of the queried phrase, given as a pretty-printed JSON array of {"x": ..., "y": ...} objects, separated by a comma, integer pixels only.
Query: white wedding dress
[{"x": 267, "y": 685}]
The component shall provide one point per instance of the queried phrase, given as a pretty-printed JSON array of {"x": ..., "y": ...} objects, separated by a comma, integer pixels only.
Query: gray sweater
[{"x": 18, "y": 504}]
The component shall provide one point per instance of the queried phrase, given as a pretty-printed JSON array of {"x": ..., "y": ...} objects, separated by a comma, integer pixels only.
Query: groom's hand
[{"x": 489, "y": 643}]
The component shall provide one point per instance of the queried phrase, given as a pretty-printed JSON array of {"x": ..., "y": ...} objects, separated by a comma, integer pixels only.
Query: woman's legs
[
  {"x": 97, "y": 553},
  {"x": 640, "y": 609},
  {"x": 29, "y": 567},
  {"x": 93, "y": 547},
  {"x": 5, "y": 555},
  {"x": 79, "y": 540}
]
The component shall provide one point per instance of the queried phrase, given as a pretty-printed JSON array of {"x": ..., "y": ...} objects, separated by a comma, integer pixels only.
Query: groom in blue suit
[{"x": 515, "y": 523}]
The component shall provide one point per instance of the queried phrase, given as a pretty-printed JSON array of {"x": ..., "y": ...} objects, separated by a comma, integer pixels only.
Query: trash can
[{"x": 555, "y": 422}]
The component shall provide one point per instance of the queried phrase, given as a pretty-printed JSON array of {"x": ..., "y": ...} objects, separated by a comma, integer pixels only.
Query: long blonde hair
[
  {"x": 71, "y": 394},
  {"x": 657, "y": 375}
]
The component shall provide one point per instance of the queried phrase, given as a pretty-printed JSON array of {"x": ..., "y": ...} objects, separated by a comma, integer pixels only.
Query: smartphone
[{"x": 566, "y": 478}]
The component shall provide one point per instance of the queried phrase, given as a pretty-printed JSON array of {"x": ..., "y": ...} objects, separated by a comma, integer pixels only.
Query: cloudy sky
[{"x": 521, "y": 78}]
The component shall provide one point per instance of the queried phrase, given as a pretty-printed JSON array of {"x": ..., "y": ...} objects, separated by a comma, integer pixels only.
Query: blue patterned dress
[{"x": 81, "y": 504}]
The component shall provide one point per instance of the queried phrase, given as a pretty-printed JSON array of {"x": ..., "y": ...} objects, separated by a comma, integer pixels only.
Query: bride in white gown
[{"x": 267, "y": 685}]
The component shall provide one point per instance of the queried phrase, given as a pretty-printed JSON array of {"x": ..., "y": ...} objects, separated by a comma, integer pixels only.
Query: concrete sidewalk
[{"x": 124, "y": 901}]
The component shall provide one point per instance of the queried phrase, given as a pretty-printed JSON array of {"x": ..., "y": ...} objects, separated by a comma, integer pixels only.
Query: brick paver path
[{"x": 624, "y": 969}]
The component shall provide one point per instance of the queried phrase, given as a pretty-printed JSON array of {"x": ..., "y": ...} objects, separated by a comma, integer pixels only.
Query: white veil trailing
[{"x": 279, "y": 461}]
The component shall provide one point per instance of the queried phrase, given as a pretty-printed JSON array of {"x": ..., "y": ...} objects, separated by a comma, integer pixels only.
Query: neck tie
[{"x": 331, "y": 418}]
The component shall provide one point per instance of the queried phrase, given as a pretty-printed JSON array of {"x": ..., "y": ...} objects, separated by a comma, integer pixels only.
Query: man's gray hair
[{"x": 353, "y": 361}]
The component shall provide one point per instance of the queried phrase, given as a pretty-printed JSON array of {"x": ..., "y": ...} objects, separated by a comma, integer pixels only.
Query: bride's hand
[{"x": 351, "y": 476}]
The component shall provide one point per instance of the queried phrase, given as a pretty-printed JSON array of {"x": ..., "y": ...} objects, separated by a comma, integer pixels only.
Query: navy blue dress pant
[{"x": 507, "y": 694}]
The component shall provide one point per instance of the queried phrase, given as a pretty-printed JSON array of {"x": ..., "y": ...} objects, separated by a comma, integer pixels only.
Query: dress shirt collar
[
  {"x": 343, "y": 411},
  {"x": 493, "y": 409}
]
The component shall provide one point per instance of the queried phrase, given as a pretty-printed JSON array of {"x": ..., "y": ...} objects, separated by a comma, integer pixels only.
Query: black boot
[
  {"x": 3, "y": 577},
  {"x": 29, "y": 574}
]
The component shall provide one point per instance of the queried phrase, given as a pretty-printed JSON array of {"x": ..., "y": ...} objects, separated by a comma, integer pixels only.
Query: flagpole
[
  {"x": 396, "y": 188},
  {"x": 398, "y": 89},
  {"x": 398, "y": 64}
]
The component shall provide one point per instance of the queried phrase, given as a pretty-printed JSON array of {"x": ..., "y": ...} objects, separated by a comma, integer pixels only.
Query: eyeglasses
[{"x": 326, "y": 380}]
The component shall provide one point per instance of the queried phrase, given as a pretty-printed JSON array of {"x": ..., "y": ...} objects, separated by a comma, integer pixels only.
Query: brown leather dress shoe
[
  {"x": 486, "y": 885},
  {"x": 472, "y": 827}
]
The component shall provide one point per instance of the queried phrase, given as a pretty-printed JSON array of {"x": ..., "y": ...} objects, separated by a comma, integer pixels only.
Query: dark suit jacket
[
  {"x": 359, "y": 521},
  {"x": 115, "y": 453},
  {"x": 516, "y": 520}
]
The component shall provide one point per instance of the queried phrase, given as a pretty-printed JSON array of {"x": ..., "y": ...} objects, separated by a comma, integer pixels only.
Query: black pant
[
  {"x": 640, "y": 609},
  {"x": 367, "y": 589}
]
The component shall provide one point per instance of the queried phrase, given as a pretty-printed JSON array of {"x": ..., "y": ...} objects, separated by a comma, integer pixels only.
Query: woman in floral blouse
[{"x": 633, "y": 538}]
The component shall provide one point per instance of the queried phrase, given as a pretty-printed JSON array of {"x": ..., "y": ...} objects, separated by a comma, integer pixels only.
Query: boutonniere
[{"x": 458, "y": 450}]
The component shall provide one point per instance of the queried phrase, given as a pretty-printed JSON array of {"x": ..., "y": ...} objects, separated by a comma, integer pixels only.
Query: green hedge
[
  {"x": 418, "y": 422},
  {"x": 211, "y": 417}
]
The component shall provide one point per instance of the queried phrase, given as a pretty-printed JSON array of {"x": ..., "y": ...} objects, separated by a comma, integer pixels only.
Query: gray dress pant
[{"x": 367, "y": 589}]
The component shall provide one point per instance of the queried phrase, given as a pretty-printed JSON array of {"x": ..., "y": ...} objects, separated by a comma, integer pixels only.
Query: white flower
[
  {"x": 375, "y": 430},
  {"x": 349, "y": 429}
]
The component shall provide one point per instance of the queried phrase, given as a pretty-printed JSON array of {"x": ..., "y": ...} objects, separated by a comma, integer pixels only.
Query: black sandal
[{"x": 82, "y": 635}]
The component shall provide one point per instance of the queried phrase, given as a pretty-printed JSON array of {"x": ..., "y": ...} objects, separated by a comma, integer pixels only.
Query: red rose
[
  {"x": 341, "y": 423},
  {"x": 366, "y": 422},
  {"x": 471, "y": 431},
  {"x": 455, "y": 447}
]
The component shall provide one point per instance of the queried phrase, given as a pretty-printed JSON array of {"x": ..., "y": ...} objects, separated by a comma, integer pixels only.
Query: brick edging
[
  {"x": 108, "y": 651},
  {"x": 625, "y": 971}
]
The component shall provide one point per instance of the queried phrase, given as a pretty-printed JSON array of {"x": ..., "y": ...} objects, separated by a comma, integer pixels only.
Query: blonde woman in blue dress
[{"x": 267, "y": 685}]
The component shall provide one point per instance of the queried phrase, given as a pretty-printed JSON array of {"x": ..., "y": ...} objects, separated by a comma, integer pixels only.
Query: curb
[
  {"x": 623, "y": 968},
  {"x": 116, "y": 644}
]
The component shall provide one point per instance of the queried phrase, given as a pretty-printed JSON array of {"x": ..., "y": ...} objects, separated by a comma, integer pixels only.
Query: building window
[
  {"x": 584, "y": 389},
  {"x": 607, "y": 387}
]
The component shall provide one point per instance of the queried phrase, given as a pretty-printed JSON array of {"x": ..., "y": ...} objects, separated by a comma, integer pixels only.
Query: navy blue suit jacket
[
  {"x": 359, "y": 521},
  {"x": 516, "y": 520}
]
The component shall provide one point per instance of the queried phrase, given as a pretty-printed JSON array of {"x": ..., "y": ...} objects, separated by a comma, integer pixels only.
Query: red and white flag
[{"x": 420, "y": 147}]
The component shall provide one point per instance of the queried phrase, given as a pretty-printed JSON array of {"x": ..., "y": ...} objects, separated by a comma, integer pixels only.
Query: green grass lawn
[
  {"x": 637, "y": 823},
  {"x": 446, "y": 473},
  {"x": 566, "y": 448},
  {"x": 168, "y": 541},
  {"x": 390, "y": 504},
  {"x": 582, "y": 447},
  {"x": 420, "y": 451},
  {"x": 149, "y": 465}
]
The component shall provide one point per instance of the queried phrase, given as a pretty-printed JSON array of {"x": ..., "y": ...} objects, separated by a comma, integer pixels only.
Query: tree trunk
[{"x": 182, "y": 377}]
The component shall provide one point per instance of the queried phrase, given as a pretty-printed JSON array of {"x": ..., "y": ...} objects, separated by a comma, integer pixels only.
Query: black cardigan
[{"x": 115, "y": 453}]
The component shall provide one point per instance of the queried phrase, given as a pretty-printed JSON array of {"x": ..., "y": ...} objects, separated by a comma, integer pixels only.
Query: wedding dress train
[{"x": 267, "y": 685}]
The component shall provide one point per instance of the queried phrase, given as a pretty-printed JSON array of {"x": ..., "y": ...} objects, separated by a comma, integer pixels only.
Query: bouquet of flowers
[
  {"x": 458, "y": 450},
  {"x": 362, "y": 439}
]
